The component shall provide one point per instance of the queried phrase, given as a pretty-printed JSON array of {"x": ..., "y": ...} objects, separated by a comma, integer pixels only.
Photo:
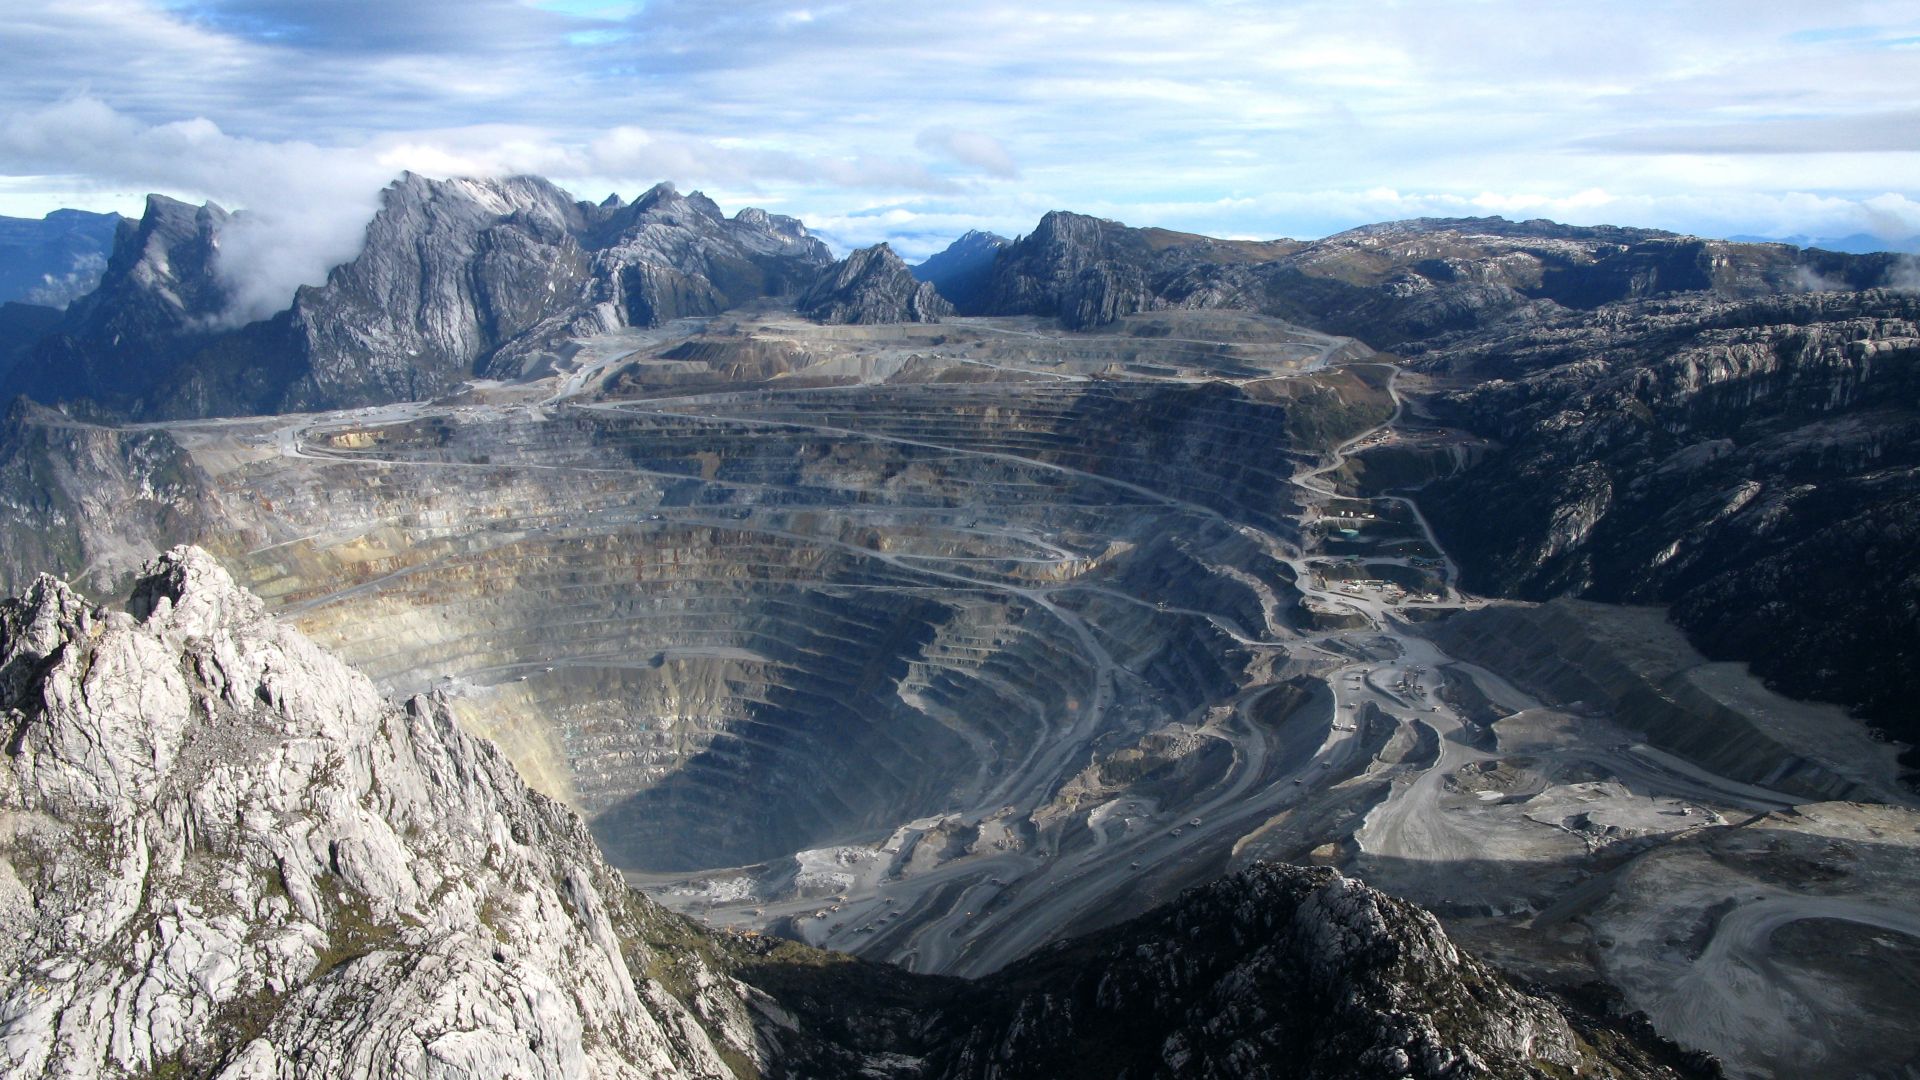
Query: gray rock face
[
  {"x": 1396, "y": 282},
  {"x": 456, "y": 278},
  {"x": 222, "y": 853},
  {"x": 97, "y": 497},
  {"x": 462, "y": 277},
  {"x": 671, "y": 256},
  {"x": 1722, "y": 456},
  {"x": 450, "y": 271},
  {"x": 1279, "y": 971},
  {"x": 872, "y": 285},
  {"x": 960, "y": 273},
  {"x": 1275, "y": 972},
  {"x": 155, "y": 304},
  {"x": 1084, "y": 270}
]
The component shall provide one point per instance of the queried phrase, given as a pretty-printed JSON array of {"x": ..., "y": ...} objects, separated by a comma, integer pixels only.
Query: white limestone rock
[{"x": 221, "y": 849}]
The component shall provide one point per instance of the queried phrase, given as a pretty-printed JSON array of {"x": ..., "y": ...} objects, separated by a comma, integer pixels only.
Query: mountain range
[{"x": 462, "y": 279}]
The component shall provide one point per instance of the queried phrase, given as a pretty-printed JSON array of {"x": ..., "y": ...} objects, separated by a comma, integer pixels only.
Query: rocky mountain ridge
[
  {"x": 226, "y": 855},
  {"x": 872, "y": 285},
  {"x": 460, "y": 278},
  {"x": 1082, "y": 270},
  {"x": 1393, "y": 282},
  {"x": 1693, "y": 422},
  {"x": 958, "y": 270},
  {"x": 1280, "y": 971},
  {"x": 495, "y": 278},
  {"x": 154, "y": 307},
  {"x": 1750, "y": 462},
  {"x": 457, "y": 278},
  {"x": 223, "y": 854}
]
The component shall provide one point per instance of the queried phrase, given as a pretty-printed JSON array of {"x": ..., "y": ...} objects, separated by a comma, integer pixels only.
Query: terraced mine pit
[{"x": 939, "y": 643}]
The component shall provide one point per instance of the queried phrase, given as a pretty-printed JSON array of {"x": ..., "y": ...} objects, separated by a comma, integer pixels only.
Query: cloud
[
  {"x": 983, "y": 152},
  {"x": 633, "y": 151},
  {"x": 1227, "y": 117},
  {"x": 59, "y": 290},
  {"x": 1806, "y": 279},
  {"x": 1904, "y": 275},
  {"x": 307, "y": 207},
  {"x": 1870, "y": 133}
]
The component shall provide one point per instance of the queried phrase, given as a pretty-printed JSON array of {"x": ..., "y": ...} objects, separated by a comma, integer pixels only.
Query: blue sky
[{"x": 913, "y": 123}]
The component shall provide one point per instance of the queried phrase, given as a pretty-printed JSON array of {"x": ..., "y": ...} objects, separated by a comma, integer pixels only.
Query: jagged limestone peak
[{"x": 222, "y": 852}]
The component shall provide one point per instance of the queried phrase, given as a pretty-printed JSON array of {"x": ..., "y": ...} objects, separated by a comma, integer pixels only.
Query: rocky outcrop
[
  {"x": 1083, "y": 270},
  {"x": 224, "y": 854},
  {"x": 1751, "y": 463},
  {"x": 1279, "y": 963},
  {"x": 1397, "y": 282},
  {"x": 677, "y": 255},
  {"x": 960, "y": 272},
  {"x": 469, "y": 277},
  {"x": 462, "y": 277},
  {"x": 1275, "y": 972},
  {"x": 99, "y": 498},
  {"x": 871, "y": 285},
  {"x": 155, "y": 305},
  {"x": 450, "y": 271}
]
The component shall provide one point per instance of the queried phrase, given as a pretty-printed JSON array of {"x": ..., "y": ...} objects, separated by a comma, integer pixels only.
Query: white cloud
[
  {"x": 637, "y": 152},
  {"x": 59, "y": 290},
  {"x": 1242, "y": 118},
  {"x": 983, "y": 152},
  {"x": 307, "y": 207}
]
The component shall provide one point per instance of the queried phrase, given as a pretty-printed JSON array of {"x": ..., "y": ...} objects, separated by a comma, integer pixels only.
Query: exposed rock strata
[
  {"x": 1396, "y": 282},
  {"x": 155, "y": 306},
  {"x": 464, "y": 277},
  {"x": 1635, "y": 665},
  {"x": 93, "y": 501},
  {"x": 1084, "y": 270},
  {"x": 1276, "y": 972},
  {"x": 1752, "y": 463}
]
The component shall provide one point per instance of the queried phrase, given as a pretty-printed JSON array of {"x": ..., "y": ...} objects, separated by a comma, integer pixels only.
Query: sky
[{"x": 913, "y": 123}]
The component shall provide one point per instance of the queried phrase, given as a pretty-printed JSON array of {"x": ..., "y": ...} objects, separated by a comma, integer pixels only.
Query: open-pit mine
[{"x": 939, "y": 643}]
